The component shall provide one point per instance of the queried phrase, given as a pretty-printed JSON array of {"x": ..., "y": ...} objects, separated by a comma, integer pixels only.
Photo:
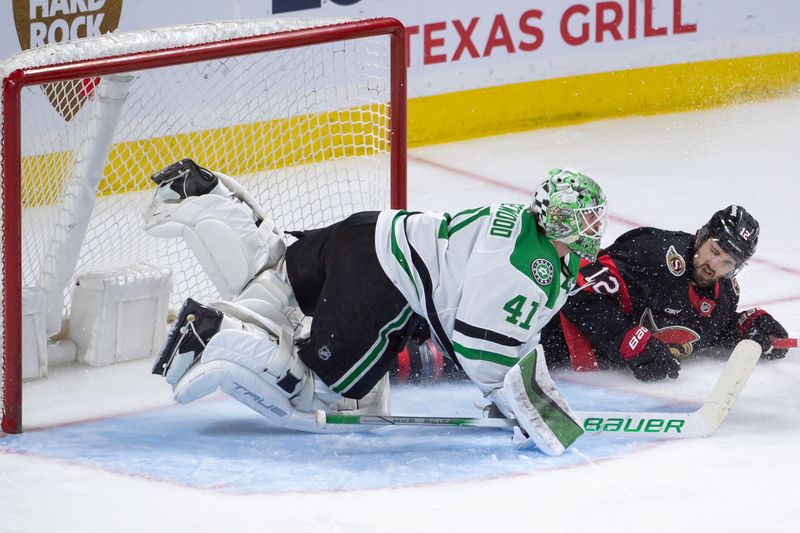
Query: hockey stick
[
  {"x": 784, "y": 343},
  {"x": 700, "y": 423}
]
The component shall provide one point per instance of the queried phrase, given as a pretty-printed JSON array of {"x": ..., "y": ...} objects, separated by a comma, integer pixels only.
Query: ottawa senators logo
[
  {"x": 675, "y": 262},
  {"x": 679, "y": 339},
  {"x": 735, "y": 284}
]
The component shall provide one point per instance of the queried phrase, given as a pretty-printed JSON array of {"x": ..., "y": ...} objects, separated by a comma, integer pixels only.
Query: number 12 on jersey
[{"x": 518, "y": 306}]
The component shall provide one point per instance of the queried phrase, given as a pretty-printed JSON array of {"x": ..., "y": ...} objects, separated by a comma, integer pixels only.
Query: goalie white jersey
[{"x": 486, "y": 280}]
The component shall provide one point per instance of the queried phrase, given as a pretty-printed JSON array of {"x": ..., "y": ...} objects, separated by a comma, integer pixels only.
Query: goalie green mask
[{"x": 570, "y": 207}]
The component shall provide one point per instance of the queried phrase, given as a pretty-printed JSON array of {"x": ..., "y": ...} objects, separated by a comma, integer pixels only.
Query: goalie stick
[{"x": 700, "y": 423}]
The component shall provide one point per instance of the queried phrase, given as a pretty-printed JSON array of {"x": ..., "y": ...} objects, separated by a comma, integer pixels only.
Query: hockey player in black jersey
[{"x": 655, "y": 296}]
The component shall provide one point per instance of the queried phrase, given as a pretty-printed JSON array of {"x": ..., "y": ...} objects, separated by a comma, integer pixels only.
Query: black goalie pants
[{"x": 359, "y": 317}]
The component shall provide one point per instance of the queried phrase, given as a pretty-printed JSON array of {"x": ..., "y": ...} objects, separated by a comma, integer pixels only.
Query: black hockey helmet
[{"x": 736, "y": 232}]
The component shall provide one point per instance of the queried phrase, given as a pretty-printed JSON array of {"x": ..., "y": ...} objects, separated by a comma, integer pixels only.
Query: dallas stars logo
[{"x": 542, "y": 271}]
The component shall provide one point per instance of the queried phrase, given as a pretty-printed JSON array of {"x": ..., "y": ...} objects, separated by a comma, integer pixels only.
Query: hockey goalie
[{"x": 484, "y": 281}]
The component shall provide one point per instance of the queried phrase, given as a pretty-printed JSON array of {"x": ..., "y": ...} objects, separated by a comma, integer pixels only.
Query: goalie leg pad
[
  {"x": 377, "y": 401},
  {"x": 270, "y": 286},
  {"x": 252, "y": 349},
  {"x": 261, "y": 396},
  {"x": 247, "y": 387},
  {"x": 231, "y": 243},
  {"x": 270, "y": 295},
  {"x": 274, "y": 362},
  {"x": 265, "y": 345},
  {"x": 239, "y": 364},
  {"x": 538, "y": 406}
]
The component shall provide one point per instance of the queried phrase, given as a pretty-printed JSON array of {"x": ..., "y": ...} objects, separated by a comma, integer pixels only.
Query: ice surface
[
  {"x": 137, "y": 463},
  {"x": 221, "y": 445}
]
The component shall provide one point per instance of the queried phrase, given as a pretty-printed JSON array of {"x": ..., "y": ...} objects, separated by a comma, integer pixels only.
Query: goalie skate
[
  {"x": 191, "y": 331},
  {"x": 183, "y": 179}
]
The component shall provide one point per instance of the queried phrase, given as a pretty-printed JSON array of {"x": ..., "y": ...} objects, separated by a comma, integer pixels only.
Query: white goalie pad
[
  {"x": 264, "y": 315},
  {"x": 221, "y": 231},
  {"x": 270, "y": 295},
  {"x": 243, "y": 355},
  {"x": 243, "y": 365},
  {"x": 246, "y": 349},
  {"x": 238, "y": 191},
  {"x": 538, "y": 406},
  {"x": 246, "y": 386},
  {"x": 221, "y": 330}
]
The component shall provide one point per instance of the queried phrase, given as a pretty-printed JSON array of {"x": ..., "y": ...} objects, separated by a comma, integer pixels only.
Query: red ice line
[{"x": 621, "y": 220}]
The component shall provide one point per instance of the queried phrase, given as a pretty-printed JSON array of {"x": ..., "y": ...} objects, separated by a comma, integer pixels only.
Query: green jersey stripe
[
  {"x": 397, "y": 252},
  {"x": 532, "y": 248},
  {"x": 373, "y": 354},
  {"x": 467, "y": 212},
  {"x": 443, "y": 233},
  {"x": 484, "y": 355},
  {"x": 483, "y": 212}
]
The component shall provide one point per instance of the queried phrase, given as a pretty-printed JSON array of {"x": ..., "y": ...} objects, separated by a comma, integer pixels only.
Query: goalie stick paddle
[{"x": 700, "y": 423}]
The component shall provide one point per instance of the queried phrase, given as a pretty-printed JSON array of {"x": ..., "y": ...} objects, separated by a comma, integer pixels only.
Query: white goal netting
[{"x": 306, "y": 129}]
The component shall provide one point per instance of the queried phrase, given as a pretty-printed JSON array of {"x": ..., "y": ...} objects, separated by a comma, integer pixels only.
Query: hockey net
[{"x": 308, "y": 115}]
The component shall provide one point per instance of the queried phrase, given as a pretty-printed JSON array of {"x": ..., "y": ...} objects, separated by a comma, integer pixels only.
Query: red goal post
[{"x": 314, "y": 135}]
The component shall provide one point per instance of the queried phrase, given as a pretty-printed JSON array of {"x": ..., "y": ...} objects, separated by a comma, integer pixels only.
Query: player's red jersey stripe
[{"x": 581, "y": 352}]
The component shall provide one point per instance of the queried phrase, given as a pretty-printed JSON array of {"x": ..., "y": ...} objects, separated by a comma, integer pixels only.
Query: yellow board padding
[
  {"x": 285, "y": 142},
  {"x": 234, "y": 150},
  {"x": 563, "y": 101}
]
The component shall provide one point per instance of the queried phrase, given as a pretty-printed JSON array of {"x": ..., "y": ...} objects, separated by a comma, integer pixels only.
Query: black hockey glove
[
  {"x": 759, "y": 325},
  {"x": 648, "y": 358}
]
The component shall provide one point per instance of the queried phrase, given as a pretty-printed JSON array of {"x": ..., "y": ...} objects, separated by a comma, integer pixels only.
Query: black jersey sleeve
[
  {"x": 602, "y": 309},
  {"x": 639, "y": 256},
  {"x": 627, "y": 272},
  {"x": 602, "y": 321}
]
